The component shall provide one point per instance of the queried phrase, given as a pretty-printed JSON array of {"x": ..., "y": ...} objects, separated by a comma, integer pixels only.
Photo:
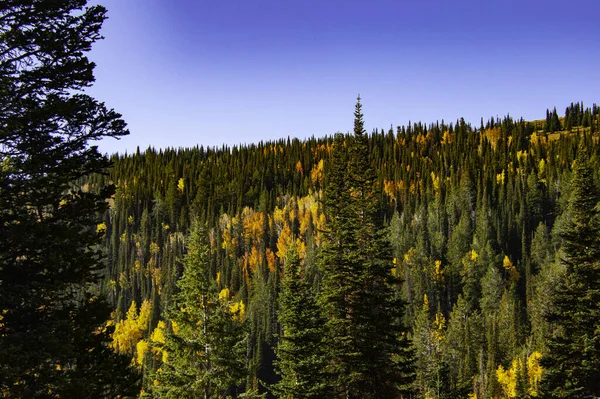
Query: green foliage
[
  {"x": 368, "y": 353},
  {"x": 53, "y": 338},
  {"x": 204, "y": 349},
  {"x": 463, "y": 205},
  {"x": 572, "y": 364},
  {"x": 301, "y": 350}
]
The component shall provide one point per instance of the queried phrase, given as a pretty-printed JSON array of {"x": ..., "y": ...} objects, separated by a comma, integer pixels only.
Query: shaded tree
[
  {"x": 301, "y": 352},
  {"x": 52, "y": 329},
  {"x": 572, "y": 364},
  {"x": 205, "y": 348}
]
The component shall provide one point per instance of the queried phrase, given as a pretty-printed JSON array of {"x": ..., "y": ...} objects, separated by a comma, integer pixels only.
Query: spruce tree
[
  {"x": 369, "y": 356},
  {"x": 572, "y": 364},
  {"x": 301, "y": 352},
  {"x": 205, "y": 348},
  {"x": 52, "y": 323}
]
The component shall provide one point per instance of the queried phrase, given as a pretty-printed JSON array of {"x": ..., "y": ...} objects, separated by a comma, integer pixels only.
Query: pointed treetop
[{"x": 359, "y": 128}]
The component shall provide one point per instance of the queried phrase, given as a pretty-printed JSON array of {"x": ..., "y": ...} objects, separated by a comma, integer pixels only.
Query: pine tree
[
  {"x": 572, "y": 364},
  {"x": 53, "y": 340},
  {"x": 204, "y": 351},
  {"x": 301, "y": 351},
  {"x": 368, "y": 353}
]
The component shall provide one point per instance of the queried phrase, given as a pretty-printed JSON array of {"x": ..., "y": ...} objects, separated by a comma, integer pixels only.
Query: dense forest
[
  {"x": 440, "y": 260},
  {"x": 481, "y": 225}
]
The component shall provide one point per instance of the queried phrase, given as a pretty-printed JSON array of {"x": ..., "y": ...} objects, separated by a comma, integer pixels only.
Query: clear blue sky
[{"x": 186, "y": 72}]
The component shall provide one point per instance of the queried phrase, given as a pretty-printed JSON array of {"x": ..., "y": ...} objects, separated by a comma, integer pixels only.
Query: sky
[{"x": 211, "y": 72}]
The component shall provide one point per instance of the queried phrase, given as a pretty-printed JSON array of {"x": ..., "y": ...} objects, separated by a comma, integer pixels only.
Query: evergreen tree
[
  {"x": 204, "y": 351},
  {"x": 369, "y": 355},
  {"x": 572, "y": 364},
  {"x": 53, "y": 340},
  {"x": 301, "y": 351}
]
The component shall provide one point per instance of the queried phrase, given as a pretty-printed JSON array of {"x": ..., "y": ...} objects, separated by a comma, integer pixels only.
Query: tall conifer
[
  {"x": 204, "y": 351},
  {"x": 301, "y": 351},
  {"x": 572, "y": 364},
  {"x": 368, "y": 353},
  {"x": 52, "y": 324}
]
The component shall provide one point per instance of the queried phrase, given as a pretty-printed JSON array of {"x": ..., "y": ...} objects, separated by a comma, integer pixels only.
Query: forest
[
  {"x": 427, "y": 260},
  {"x": 481, "y": 231}
]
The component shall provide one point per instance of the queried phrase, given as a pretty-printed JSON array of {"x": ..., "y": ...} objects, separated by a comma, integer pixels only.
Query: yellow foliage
[
  {"x": 158, "y": 335},
  {"x": 534, "y": 372},
  {"x": 425, "y": 302},
  {"x": 154, "y": 248},
  {"x": 508, "y": 378},
  {"x": 253, "y": 223},
  {"x": 542, "y": 170},
  {"x": 500, "y": 178},
  {"x": 321, "y": 225},
  {"x": 447, "y": 138},
  {"x": 436, "y": 183},
  {"x": 129, "y": 332},
  {"x": 101, "y": 228},
  {"x": 132, "y": 312},
  {"x": 141, "y": 349},
  {"x": 239, "y": 310},
  {"x": 301, "y": 247},
  {"x": 279, "y": 215},
  {"x": 307, "y": 208},
  {"x": 284, "y": 241},
  {"x": 144, "y": 316},
  {"x": 511, "y": 269},
  {"x": 126, "y": 334},
  {"x": 254, "y": 259},
  {"x": 174, "y": 327},
  {"x": 439, "y": 325},
  {"x": 438, "y": 273},
  {"x": 299, "y": 168},
  {"x": 130, "y": 219},
  {"x": 270, "y": 255},
  {"x": 474, "y": 255},
  {"x": 123, "y": 281},
  {"x": 316, "y": 174},
  {"x": 389, "y": 187},
  {"x": 410, "y": 255},
  {"x": 180, "y": 185},
  {"x": 224, "y": 294},
  {"x": 493, "y": 135}
]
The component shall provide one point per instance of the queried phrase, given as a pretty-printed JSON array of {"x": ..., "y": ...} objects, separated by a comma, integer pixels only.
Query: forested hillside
[{"x": 482, "y": 228}]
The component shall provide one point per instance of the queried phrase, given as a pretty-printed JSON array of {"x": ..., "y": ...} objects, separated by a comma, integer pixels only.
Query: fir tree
[
  {"x": 369, "y": 355},
  {"x": 300, "y": 351},
  {"x": 52, "y": 323},
  {"x": 204, "y": 351},
  {"x": 572, "y": 364}
]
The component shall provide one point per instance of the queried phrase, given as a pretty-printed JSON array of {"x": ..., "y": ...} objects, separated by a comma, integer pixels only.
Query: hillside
[{"x": 474, "y": 216}]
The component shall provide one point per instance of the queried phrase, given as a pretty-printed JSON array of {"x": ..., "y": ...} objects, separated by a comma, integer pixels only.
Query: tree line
[{"x": 475, "y": 222}]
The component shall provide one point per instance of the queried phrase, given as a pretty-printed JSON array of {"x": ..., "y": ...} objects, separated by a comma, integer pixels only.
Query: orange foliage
[
  {"x": 253, "y": 225},
  {"x": 270, "y": 260}
]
